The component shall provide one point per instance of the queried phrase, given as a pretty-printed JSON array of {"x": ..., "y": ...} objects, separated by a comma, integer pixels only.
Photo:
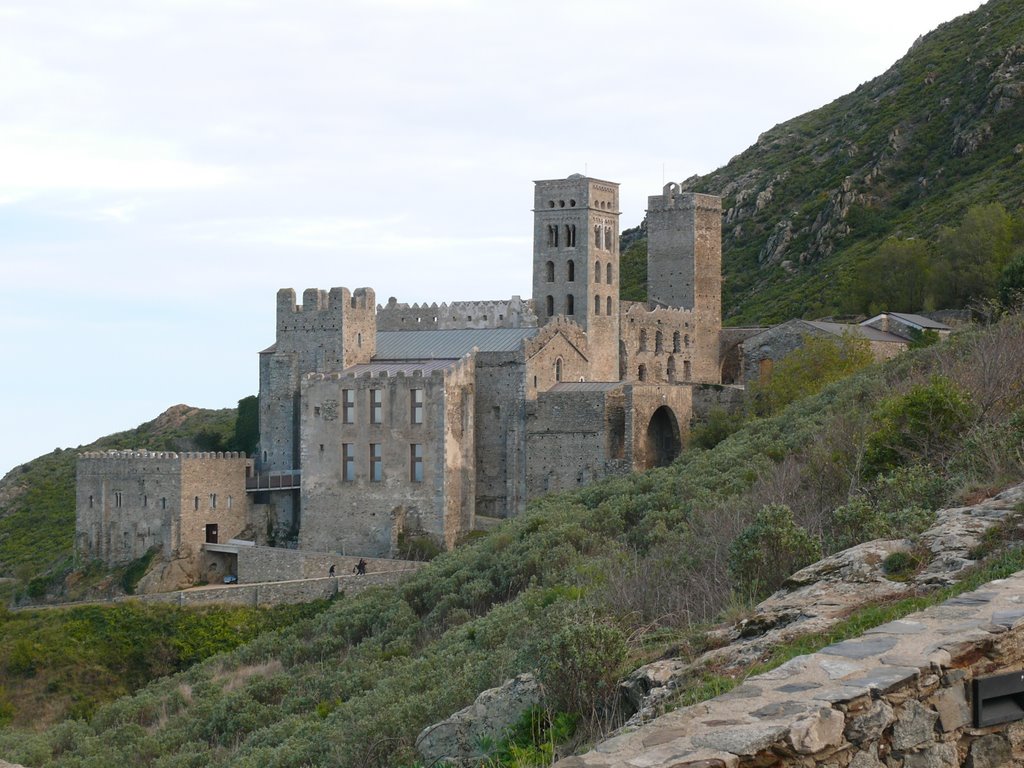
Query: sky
[{"x": 166, "y": 166}]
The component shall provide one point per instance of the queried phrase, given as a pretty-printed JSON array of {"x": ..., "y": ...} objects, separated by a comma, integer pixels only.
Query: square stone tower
[{"x": 576, "y": 263}]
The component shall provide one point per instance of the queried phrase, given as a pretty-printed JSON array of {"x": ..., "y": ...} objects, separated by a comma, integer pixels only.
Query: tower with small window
[{"x": 576, "y": 262}]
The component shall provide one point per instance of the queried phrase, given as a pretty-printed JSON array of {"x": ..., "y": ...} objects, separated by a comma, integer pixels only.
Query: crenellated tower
[
  {"x": 576, "y": 262},
  {"x": 329, "y": 331}
]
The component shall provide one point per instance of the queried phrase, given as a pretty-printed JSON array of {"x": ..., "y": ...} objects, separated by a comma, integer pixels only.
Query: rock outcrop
[{"x": 461, "y": 740}]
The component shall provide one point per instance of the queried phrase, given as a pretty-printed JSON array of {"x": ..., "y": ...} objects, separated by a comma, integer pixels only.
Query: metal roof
[
  {"x": 399, "y": 366},
  {"x": 447, "y": 345},
  {"x": 586, "y": 386},
  {"x": 864, "y": 331},
  {"x": 921, "y": 320}
]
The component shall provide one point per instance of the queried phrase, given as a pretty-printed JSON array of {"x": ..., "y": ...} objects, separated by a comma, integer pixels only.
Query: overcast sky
[{"x": 167, "y": 165}]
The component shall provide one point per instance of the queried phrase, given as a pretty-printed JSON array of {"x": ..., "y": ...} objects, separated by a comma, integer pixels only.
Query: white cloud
[{"x": 34, "y": 161}]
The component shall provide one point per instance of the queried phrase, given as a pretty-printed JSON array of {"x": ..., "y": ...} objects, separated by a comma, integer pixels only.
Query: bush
[
  {"x": 819, "y": 361},
  {"x": 769, "y": 550},
  {"x": 718, "y": 426},
  {"x": 920, "y": 425}
]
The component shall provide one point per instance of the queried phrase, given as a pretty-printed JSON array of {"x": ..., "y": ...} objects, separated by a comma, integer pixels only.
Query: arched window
[
  {"x": 550, "y": 306},
  {"x": 676, "y": 341},
  {"x": 570, "y": 271},
  {"x": 670, "y": 369},
  {"x": 658, "y": 343},
  {"x": 558, "y": 369},
  {"x": 569, "y": 305},
  {"x": 607, "y": 238},
  {"x": 608, "y": 310},
  {"x": 686, "y": 370},
  {"x": 686, "y": 340},
  {"x": 553, "y": 235},
  {"x": 597, "y": 271},
  {"x": 641, "y": 373},
  {"x": 597, "y": 305},
  {"x": 549, "y": 269},
  {"x": 608, "y": 273},
  {"x": 570, "y": 235},
  {"x": 642, "y": 347},
  {"x": 597, "y": 236}
]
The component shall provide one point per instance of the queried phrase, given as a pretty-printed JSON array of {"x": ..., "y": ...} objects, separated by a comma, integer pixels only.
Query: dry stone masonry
[{"x": 899, "y": 696}]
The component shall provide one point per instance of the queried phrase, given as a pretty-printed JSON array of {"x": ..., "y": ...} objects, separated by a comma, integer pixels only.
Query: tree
[
  {"x": 973, "y": 255},
  {"x": 247, "y": 425},
  {"x": 818, "y": 362},
  {"x": 895, "y": 278}
]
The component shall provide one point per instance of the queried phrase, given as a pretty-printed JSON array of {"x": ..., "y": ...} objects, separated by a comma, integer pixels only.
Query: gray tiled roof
[
  {"x": 864, "y": 331},
  {"x": 447, "y": 345},
  {"x": 921, "y": 320}
]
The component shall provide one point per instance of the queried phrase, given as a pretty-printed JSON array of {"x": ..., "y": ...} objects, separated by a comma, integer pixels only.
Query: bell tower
[{"x": 576, "y": 262}]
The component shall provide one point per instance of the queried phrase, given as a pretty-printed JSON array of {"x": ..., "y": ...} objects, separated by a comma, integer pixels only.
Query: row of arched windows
[
  {"x": 679, "y": 341},
  {"x": 670, "y": 371},
  {"x": 604, "y": 243},
  {"x": 570, "y": 305},
  {"x": 597, "y": 305},
  {"x": 597, "y": 272},
  {"x": 569, "y": 232},
  {"x": 570, "y": 271}
]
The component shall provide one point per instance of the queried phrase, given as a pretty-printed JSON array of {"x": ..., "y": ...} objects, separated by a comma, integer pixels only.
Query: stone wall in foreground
[
  {"x": 271, "y": 593},
  {"x": 899, "y": 697}
]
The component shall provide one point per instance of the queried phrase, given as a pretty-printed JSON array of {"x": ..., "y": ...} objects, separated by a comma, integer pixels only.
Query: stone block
[
  {"x": 816, "y": 732},
  {"x": 937, "y": 756},
  {"x": 992, "y": 751},
  {"x": 868, "y": 724},
  {"x": 951, "y": 704},
  {"x": 915, "y": 725}
]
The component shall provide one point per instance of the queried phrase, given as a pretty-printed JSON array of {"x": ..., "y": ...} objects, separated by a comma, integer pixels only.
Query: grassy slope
[
  {"x": 579, "y": 589},
  {"x": 879, "y": 161}
]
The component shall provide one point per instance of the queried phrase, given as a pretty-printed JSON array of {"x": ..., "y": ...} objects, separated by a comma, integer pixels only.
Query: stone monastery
[{"x": 379, "y": 421}]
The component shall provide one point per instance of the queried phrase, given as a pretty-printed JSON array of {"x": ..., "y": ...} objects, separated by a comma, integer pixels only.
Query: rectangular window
[
  {"x": 376, "y": 406},
  {"x": 348, "y": 406},
  {"x": 416, "y": 405},
  {"x": 348, "y": 463},
  {"x": 213, "y": 501},
  {"x": 117, "y": 498},
  {"x": 376, "y": 463},
  {"x": 416, "y": 462}
]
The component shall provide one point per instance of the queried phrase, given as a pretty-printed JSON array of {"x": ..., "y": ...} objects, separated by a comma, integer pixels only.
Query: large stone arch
[{"x": 662, "y": 439}]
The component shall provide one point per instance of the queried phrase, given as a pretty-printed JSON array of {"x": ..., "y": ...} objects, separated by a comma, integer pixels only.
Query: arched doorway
[{"x": 663, "y": 442}]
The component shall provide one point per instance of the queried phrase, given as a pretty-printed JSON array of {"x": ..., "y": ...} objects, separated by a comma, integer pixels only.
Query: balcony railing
[{"x": 274, "y": 481}]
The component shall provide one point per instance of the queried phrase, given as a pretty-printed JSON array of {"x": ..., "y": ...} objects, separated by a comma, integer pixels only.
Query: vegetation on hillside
[
  {"x": 588, "y": 584},
  {"x": 63, "y": 662},
  {"x": 904, "y": 157}
]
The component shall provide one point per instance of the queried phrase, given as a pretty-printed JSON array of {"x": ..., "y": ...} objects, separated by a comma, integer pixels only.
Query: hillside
[
  {"x": 901, "y": 156},
  {"x": 588, "y": 585},
  {"x": 37, "y": 499}
]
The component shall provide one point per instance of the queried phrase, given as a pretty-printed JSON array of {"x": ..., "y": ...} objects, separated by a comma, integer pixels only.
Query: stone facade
[
  {"x": 414, "y": 419},
  {"x": 128, "y": 502},
  {"x": 399, "y": 457}
]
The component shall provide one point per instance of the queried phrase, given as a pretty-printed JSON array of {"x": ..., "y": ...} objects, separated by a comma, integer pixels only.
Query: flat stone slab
[
  {"x": 885, "y": 678},
  {"x": 861, "y": 648},
  {"x": 898, "y": 627},
  {"x": 741, "y": 739}
]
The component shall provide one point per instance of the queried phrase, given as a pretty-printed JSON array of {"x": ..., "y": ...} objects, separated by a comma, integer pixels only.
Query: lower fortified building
[{"x": 379, "y": 421}]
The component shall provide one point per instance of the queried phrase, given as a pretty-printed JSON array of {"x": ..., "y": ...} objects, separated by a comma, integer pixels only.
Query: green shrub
[
  {"x": 718, "y": 426},
  {"x": 921, "y": 425},
  {"x": 818, "y": 362},
  {"x": 769, "y": 550}
]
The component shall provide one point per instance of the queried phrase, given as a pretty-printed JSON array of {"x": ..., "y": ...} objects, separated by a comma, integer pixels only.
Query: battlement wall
[
  {"x": 502, "y": 313},
  {"x": 672, "y": 198},
  {"x": 146, "y": 454}
]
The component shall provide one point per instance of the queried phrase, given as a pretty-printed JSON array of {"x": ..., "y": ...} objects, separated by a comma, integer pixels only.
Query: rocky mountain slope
[{"x": 901, "y": 155}]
